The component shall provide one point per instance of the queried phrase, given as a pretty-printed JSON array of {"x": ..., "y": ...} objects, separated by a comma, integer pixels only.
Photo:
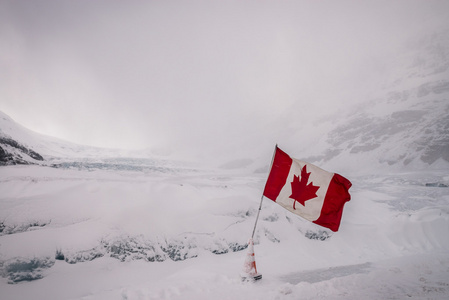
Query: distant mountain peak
[
  {"x": 403, "y": 123},
  {"x": 13, "y": 151}
]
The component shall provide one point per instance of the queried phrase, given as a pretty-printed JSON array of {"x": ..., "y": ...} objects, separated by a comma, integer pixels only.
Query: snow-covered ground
[{"x": 180, "y": 233}]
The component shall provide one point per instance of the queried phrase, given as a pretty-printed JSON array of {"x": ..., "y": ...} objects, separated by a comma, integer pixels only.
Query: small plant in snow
[
  {"x": 59, "y": 255},
  {"x": 25, "y": 269},
  {"x": 321, "y": 235}
]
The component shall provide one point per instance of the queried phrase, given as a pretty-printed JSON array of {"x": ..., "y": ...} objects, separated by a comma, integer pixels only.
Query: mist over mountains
[
  {"x": 404, "y": 122},
  {"x": 409, "y": 121}
]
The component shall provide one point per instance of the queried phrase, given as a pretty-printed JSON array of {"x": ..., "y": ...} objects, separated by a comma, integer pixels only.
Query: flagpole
[
  {"x": 257, "y": 218},
  {"x": 261, "y": 198}
]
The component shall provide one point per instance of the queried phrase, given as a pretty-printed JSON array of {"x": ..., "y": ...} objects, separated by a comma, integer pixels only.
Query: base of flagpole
[{"x": 251, "y": 277}]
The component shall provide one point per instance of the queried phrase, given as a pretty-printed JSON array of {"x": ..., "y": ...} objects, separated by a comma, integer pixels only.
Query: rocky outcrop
[{"x": 13, "y": 153}]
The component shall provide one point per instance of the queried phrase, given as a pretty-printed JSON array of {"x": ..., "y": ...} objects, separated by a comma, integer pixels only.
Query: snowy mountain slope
[
  {"x": 417, "y": 135},
  {"x": 403, "y": 122},
  {"x": 12, "y": 151},
  {"x": 19, "y": 143}
]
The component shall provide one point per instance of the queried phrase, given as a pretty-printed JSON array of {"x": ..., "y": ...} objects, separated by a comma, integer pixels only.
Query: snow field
[{"x": 130, "y": 235}]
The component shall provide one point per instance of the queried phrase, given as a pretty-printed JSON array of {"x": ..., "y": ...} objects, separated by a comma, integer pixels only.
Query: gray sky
[{"x": 194, "y": 77}]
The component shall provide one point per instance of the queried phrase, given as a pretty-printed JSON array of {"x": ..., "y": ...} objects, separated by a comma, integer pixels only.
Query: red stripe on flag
[
  {"x": 278, "y": 174},
  {"x": 336, "y": 197}
]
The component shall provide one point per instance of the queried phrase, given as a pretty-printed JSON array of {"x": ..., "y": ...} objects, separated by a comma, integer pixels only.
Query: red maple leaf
[{"x": 301, "y": 191}]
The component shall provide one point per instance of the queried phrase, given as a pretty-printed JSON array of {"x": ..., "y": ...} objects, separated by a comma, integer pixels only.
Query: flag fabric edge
[
  {"x": 336, "y": 197},
  {"x": 278, "y": 174}
]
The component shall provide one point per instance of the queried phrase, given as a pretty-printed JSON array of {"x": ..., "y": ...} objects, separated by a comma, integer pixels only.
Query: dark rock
[
  {"x": 436, "y": 184},
  {"x": 7, "y": 158}
]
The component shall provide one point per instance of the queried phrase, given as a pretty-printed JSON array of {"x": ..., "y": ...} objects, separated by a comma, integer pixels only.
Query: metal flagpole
[
  {"x": 257, "y": 218},
  {"x": 261, "y": 198},
  {"x": 249, "y": 272}
]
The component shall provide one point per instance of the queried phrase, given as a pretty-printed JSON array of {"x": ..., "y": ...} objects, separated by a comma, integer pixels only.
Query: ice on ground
[{"x": 136, "y": 235}]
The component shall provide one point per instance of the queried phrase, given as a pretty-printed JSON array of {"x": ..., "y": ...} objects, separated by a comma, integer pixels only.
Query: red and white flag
[{"x": 306, "y": 190}]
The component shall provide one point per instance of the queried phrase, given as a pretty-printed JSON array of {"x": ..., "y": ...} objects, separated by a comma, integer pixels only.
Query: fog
[{"x": 196, "y": 78}]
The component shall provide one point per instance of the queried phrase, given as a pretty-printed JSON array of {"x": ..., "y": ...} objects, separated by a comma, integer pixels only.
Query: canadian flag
[{"x": 306, "y": 190}]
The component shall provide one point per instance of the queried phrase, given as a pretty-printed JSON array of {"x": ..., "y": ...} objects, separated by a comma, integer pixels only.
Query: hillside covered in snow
[{"x": 401, "y": 120}]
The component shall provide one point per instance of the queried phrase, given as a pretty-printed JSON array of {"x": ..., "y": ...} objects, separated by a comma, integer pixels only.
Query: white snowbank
[{"x": 110, "y": 225}]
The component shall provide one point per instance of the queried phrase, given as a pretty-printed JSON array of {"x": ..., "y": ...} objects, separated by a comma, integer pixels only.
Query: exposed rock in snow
[{"x": 12, "y": 152}]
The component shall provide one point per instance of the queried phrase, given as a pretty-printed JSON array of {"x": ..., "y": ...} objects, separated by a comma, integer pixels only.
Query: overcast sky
[{"x": 196, "y": 76}]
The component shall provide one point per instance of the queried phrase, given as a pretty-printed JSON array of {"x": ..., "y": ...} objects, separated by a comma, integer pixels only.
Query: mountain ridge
[
  {"x": 20, "y": 145},
  {"x": 404, "y": 123}
]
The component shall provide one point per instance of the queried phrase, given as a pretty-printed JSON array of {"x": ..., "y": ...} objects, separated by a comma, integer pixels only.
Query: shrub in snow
[
  {"x": 270, "y": 236},
  {"x": 25, "y": 269},
  {"x": 133, "y": 248},
  {"x": 82, "y": 256},
  {"x": 59, "y": 255},
  {"x": 318, "y": 235},
  {"x": 237, "y": 247},
  {"x": 17, "y": 228},
  {"x": 180, "y": 249},
  {"x": 219, "y": 246},
  {"x": 271, "y": 218},
  {"x": 128, "y": 248}
]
